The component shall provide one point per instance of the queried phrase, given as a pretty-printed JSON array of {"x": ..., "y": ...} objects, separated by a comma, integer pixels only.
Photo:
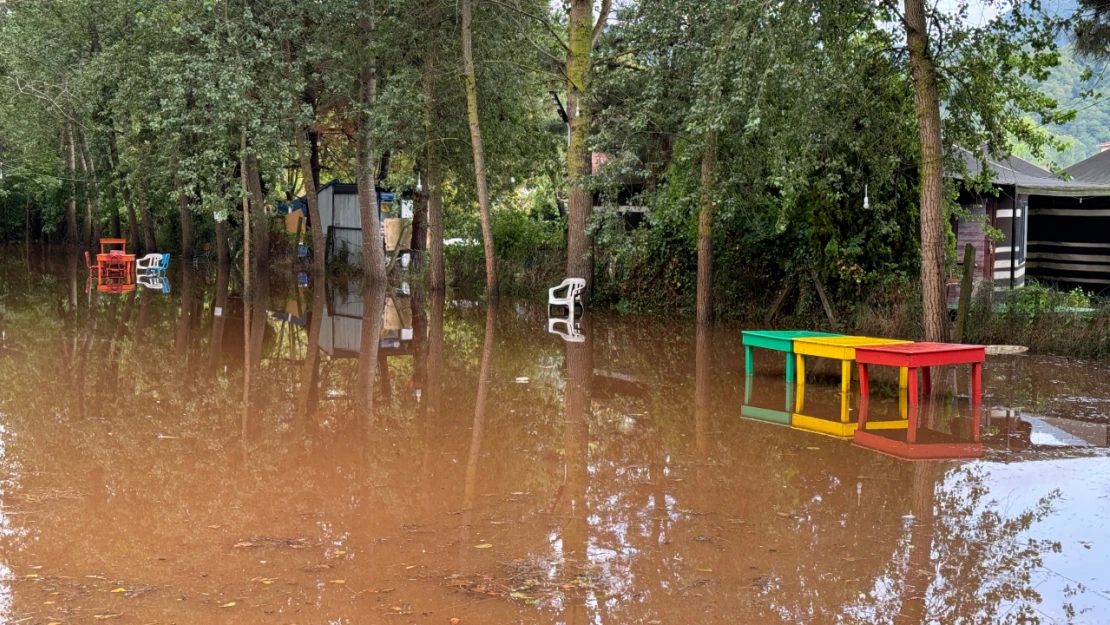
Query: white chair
[
  {"x": 573, "y": 287},
  {"x": 572, "y": 335},
  {"x": 148, "y": 263}
]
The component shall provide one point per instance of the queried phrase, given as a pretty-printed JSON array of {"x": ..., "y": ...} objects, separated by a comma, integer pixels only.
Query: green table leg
[
  {"x": 789, "y": 367},
  {"x": 748, "y": 366},
  {"x": 748, "y": 389}
]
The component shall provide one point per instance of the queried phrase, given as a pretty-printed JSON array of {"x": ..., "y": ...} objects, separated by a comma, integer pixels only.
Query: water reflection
[{"x": 346, "y": 457}]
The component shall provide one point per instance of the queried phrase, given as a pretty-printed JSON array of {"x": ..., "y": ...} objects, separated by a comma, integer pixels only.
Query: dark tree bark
[
  {"x": 927, "y": 102},
  {"x": 186, "y": 215},
  {"x": 436, "y": 268},
  {"x": 132, "y": 218},
  {"x": 315, "y": 225},
  {"x": 420, "y": 218},
  {"x": 149, "y": 244},
  {"x": 705, "y": 231},
  {"x": 72, "y": 235}
]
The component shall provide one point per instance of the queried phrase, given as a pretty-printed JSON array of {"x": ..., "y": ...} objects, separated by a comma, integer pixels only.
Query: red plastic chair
[{"x": 93, "y": 268}]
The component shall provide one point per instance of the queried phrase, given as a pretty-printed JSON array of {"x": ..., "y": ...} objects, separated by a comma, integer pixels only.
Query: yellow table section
[
  {"x": 842, "y": 348},
  {"x": 845, "y": 427}
]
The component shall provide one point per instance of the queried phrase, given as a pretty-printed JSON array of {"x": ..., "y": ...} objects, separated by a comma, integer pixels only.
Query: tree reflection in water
[{"x": 963, "y": 559}]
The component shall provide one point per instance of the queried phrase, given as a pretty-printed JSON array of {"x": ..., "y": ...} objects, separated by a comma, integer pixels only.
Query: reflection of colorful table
[
  {"x": 843, "y": 427},
  {"x": 118, "y": 262},
  {"x": 914, "y": 356},
  {"x": 915, "y": 442},
  {"x": 842, "y": 348},
  {"x": 776, "y": 340},
  {"x": 766, "y": 415}
]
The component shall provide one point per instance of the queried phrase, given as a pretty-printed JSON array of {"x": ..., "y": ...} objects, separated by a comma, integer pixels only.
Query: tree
[{"x": 479, "y": 152}]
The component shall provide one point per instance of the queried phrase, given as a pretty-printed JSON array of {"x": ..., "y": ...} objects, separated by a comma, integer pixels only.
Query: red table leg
[
  {"x": 911, "y": 427},
  {"x": 976, "y": 413},
  {"x": 926, "y": 380},
  {"x": 912, "y": 386},
  {"x": 977, "y": 383},
  {"x": 864, "y": 390}
]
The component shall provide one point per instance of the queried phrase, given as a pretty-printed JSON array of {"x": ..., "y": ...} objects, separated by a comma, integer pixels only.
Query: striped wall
[
  {"x": 1011, "y": 213},
  {"x": 1069, "y": 241}
]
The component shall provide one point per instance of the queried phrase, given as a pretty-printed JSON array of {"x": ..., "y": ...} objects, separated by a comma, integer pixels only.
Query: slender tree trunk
[
  {"x": 434, "y": 170},
  {"x": 478, "y": 426},
  {"x": 927, "y": 102},
  {"x": 576, "y": 445},
  {"x": 314, "y": 222},
  {"x": 186, "y": 218},
  {"x": 90, "y": 231},
  {"x": 310, "y": 367},
  {"x": 259, "y": 230},
  {"x": 246, "y": 229},
  {"x": 219, "y": 317},
  {"x": 223, "y": 246},
  {"x": 373, "y": 306},
  {"x": 705, "y": 231},
  {"x": 132, "y": 218},
  {"x": 149, "y": 244},
  {"x": 71, "y": 171},
  {"x": 420, "y": 218},
  {"x": 114, "y": 214},
  {"x": 479, "y": 152},
  {"x": 580, "y": 262}
]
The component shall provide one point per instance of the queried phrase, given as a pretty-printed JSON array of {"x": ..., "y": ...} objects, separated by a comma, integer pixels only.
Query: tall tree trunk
[
  {"x": 478, "y": 426},
  {"x": 186, "y": 218},
  {"x": 434, "y": 170},
  {"x": 223, "y": 246},
  {"x": 705, "y": 231},
  {"x": 71, "y": 171},
  {"x": 420, "y": 218},
  {"x": 114, "y": 208},
  {"x": 370, "y": 337},
  {"x": 927, "y": 102},
  {"x": 373, "y": 253},
  {"x": 149, "y": 244},
  {"x": 479, "y": 152},
  {"x": 219, "y": 317},
  {"x": 132, "y": 219},
  {"x": 576, "y": 445},
  {"x": 259, "y": 231},
  {"x": 314, "y": 222},
  {"x": 582, "y": 34},
  {"x": 310, "y": 367},
  {"x": 246, "y": 230},
  {"x": 91, "y": 230}
]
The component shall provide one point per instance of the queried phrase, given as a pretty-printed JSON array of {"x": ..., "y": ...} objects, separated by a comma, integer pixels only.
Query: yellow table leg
[
  {"x": 800, "y": 365},
  {"x": 845, "y": 375},
  {"x": 800, "y": 398},
  {"x": 903, "y": 377},
  {"x": 844, "y": 407}
]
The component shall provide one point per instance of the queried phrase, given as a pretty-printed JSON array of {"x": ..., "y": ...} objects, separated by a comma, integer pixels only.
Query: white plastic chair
[
  {"x": 573, "y": 287},
  {"x": 572, "y": 335},
  {"x": 150, "y": 262}
]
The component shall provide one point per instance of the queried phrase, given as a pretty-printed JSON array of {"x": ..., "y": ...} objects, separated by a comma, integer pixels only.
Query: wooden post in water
[{"x": 967, "y": 283}]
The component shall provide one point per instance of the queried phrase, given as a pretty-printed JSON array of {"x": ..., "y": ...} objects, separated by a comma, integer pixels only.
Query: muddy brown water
[{"x": 495, "y": 472}]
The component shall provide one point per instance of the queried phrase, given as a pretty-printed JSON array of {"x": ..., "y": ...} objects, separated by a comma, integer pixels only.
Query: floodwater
[{"x": 321, "y": 456}]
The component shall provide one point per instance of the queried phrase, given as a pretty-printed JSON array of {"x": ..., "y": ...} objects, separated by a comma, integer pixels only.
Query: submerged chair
[
  {"x": 94, "y": 269},
  {"x": 573, "y": 288},
  {"x": 572, "y": 333},
  {"x": 156, "y": 263}
]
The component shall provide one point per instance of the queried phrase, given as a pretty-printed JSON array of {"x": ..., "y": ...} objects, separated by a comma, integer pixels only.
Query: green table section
[{"x": 779, "y": 341}]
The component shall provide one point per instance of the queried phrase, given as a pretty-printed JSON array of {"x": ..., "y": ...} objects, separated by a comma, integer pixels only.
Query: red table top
[
  {"x": 924, "y": 353},
  {"x": 923, "y": 347}
]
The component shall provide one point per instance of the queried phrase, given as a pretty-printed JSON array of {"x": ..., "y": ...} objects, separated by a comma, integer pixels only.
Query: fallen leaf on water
[
  {"x": 519, "y": 595},
  {"x": 229, "y": 604},
  {"x": 120, "y": 589},
  {"x": 54, "y": 623},
  {"x": 706, "y": 570},
  {"x": 48, "y": 603},
  {"x": 521, "y": 380},
  {"x": 340, "y": 552},
  {"x": 106, "y": 616},
  {"x": 459, "y": 582},
  {"x": 240, "y": 545},
  {"x": 849, "y": 559},
  {"x": 264, "y": 580},
  {"x": 455, "y": 621},
  {"x": 410, "y": 567},
  {"x": 339, "y": 581},
  {"x": 214, "y": 527},
  {"x": 31, "y": 576},
  {"x": 483, "y": 546},
  {"x": 813, "y": 448}
]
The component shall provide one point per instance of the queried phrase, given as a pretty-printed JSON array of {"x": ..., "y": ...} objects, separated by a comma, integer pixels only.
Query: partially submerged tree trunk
[
  {"x": 316, "y": 226},
  {"x": 259, "y": 230},
  {"x": 420, "y": 218},
  {"x": 246, "y": 236},
  {"x": 369, "y": 342},
  {"x": 705, "y": 230},
  {"x": 479, "y": 152},
  {"x": 373, "y": 253},
  {"x": 71, "y": 171},
  {"x": 927, "y": 102},
  {"x": 91, "y": 232},
  {"x": 434, "y": 172},
  {"x": 132, "y": 218},
  {"x": 149, "y": 244},
  {"x": 582, "y": 35},
  {"x": 186, "y": 218},
  {"x": 223, "y": 246}
]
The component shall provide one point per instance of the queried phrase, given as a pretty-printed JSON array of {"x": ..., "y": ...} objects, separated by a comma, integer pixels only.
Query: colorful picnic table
[
  {"x": 843, "y": 426},
  {"x": 842, "y": 348},
  {"x": 766, "y": 415},
  {"x": 779, "y": 341},
  {"x": 914, "y": 356}
]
